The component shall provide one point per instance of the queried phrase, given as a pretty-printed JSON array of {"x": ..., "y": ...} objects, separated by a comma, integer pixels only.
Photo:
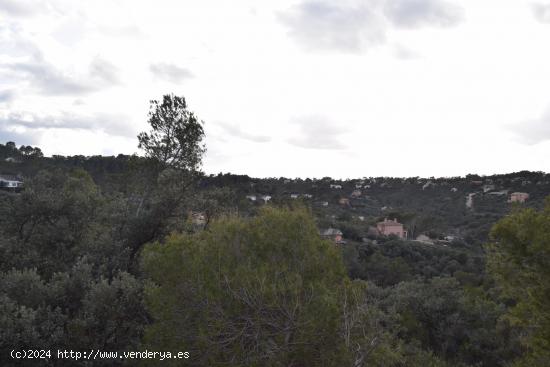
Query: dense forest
[{"x": 147, "y": 252}]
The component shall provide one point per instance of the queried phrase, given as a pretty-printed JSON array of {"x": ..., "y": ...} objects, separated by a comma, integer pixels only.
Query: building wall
[{"x": 394, "y": 229}]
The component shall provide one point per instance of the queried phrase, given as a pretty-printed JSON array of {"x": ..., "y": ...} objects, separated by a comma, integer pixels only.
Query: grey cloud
[
  {"x": 533, "y": 131},
  {"x": 6, "y": 96},
  {"x": 239, "y": 133},
  {"x": 417, "y": 13},
  {"x": 170, "y": 72},
  {"x": 354, "y": 26},
  {"x": 541, "y": 12},
  {"x": 316, "y": 132},
  {"x": 27, "y": 138},
  {"x": 328, "y": 25},
  {"x": 47, "y": 79},
  {"x": 13, "y": 44},
  {"x": 108, "y": 123},
  {"x": 104, "y": 71},
  {"x": 127, "y": 31},
  {"x": 18, "y": 7}
]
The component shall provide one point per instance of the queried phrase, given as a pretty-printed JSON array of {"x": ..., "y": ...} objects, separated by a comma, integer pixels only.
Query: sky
[{"x": 302, "y": 88}]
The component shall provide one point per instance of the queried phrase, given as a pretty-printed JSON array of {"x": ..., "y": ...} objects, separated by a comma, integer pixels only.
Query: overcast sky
[{"x": 288, "y": 88}]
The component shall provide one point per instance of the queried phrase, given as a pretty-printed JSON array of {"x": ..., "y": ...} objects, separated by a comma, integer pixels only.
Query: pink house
[
  {"x": 388, "y": 227},
  {"x": 518, "y": 197}
]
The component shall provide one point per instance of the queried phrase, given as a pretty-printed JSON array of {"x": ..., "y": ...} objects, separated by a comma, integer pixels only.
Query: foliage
[
  {"x": 175, "y": 136},
  {"x": 257, "y": 292},
  {"x": 519, "y": 260}
]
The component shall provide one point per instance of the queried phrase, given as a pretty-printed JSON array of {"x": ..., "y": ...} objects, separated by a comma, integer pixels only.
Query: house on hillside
[
  {"x": 498, "y": 193},
  {"x": 389, "y": 227},
  {"x": 470, "y": 200},
  {"x": 428, "y": 185},
  {"x": 251, "y": 197},
  {"x": 197, "y": 218},
  {"x": 266, "y": 198},
  {"x": 356, "y": 193},
  {"x": 10, "y": 183},
  {"x": 488, "y": 188},
  {"x": 333, "y": 186},
  {"x": 294, "y": 196},
  {"x": 518, "y": 197},
  {"x": 332, "y": 234},
  {"x": 424, "y": 239},
  {"x": 343, "y": 201}
]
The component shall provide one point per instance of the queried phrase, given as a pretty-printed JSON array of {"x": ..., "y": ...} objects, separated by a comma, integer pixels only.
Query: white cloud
[
  {"x": 236, "y": 131},
  {"x": 77, "y": 77},
  {"x": 317, "y": 132},
  {"x": 533, "y": 131},
  {"x": 541, "y": 11},
  {"x": 329, "y": 25},
  {"x": 170, "y": 72}
]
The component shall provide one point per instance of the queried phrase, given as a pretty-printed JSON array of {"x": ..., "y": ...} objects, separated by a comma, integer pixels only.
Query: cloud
[
  {"x": 49, "y": 80},
  {"x": 112, "y": 124},
  {"x": 316, "y": 132},
  {"x": 125, "y": 31},
  {"x": 404, "y": 53},
  {"x": 170, "y": 72},
  {"x": 20, "y": 8},
  {"x": 14, "y": 44},
  {"x": 239, "y": 133},
  {"x": 327, "y": 25},
  {"x": 541, "y": 12},
  {"x": 104, "y": 71},
  {"x": 418, "y": 13},
  {"x": 354, "y": 26},
  {"x": 533, "y": 131},
  {"x": 7, "y": 95}
]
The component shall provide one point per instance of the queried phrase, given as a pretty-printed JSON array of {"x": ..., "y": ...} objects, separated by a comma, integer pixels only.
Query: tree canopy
[
  {"x": 247, "y": 292},
  {"x": 175, "y": 138},
  {"x": 519, "y": 260}
]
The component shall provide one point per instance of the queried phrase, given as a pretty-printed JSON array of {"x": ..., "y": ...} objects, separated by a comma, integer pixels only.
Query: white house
[
  {"x": 427, "y": 184},
  {"x": 488, "y": 188},
  {"x": 266, "y": 198},
  {"x": 424, "y": 239},
  {"x": 333, "y": 186},
  {"x": 10, "y": 182},
  {"x": 251, "y": 197},
  {"x": 294, "y": 196}
]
